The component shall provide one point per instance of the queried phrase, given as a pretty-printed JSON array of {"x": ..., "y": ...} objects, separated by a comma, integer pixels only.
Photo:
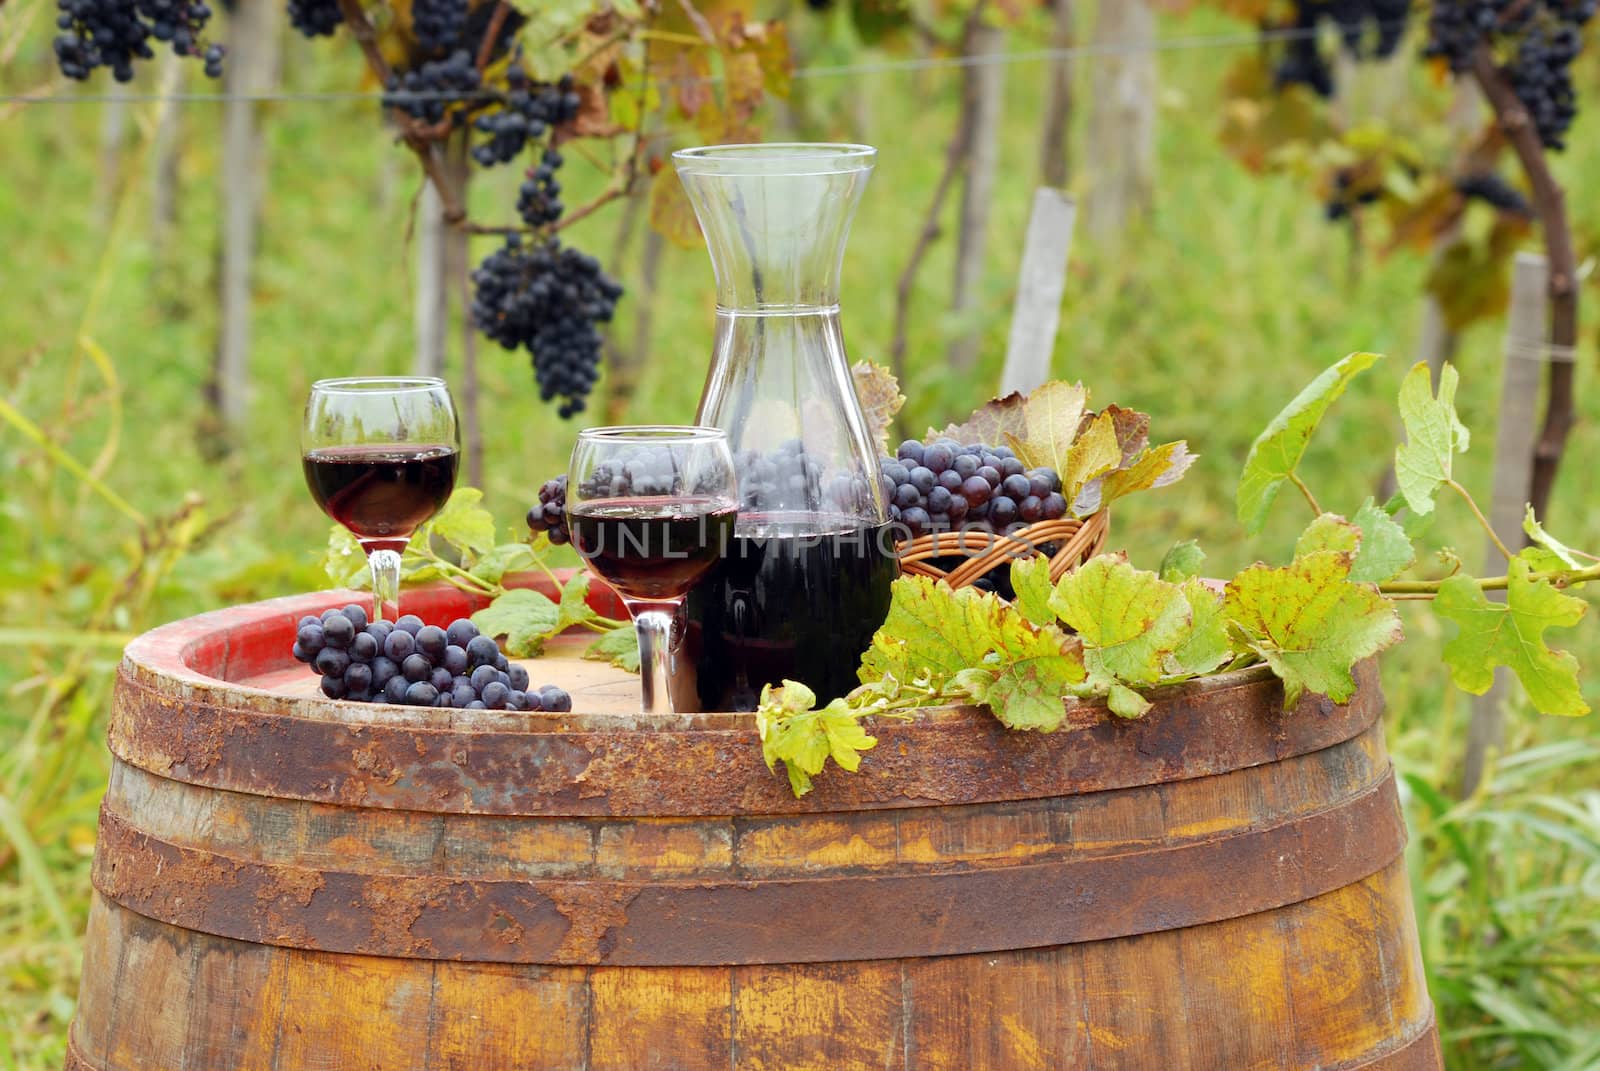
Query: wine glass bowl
[
  {"x": 380, "y": 456},
  {"x": 651, "y": 508}
]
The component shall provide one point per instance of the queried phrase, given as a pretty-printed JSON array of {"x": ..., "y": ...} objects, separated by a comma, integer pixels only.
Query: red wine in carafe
[
  {"x": 381, "y": 491},
  {"x": 652, "y": 548},
  {"x": 796, "y": 597}
]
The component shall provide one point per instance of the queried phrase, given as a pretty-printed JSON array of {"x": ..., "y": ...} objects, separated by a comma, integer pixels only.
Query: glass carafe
[{"x": 806, "y": 583}]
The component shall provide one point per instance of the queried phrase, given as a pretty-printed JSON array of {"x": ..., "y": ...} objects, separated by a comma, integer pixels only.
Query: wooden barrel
[{"x": 284, "y": 882}]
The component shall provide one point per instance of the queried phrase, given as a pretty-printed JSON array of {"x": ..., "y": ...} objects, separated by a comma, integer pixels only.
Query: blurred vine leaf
[
  {"x": 1277, "y": 451},
  {"x": 671, "y": 214},
  {"x": 879, "y": 394},
  {"x": 1434, "y": 435}
]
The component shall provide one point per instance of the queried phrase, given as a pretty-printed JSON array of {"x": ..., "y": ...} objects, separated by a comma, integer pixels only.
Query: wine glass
[
  {"x": 380, "y": 457},
  {"x": 651, "y": 509}
]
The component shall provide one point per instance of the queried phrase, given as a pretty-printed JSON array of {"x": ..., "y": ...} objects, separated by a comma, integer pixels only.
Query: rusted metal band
[
  {"x": 1421, "y": 1053},
  {"x": 946, "y": 756},
  {"x": 661, "y": 923}
]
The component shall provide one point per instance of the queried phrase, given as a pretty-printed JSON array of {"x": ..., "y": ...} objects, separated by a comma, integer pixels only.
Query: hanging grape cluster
[
  {"x": 438, "y": 24},
  {"x": 531, "y": 293},
  {"x": 1366, "y": 27},
  {"x": 547, "y": 298},
  {"x": 315, "y": 18},
  {"x": 1535, "y": 41},
  {"x": 115, "y": 33}
]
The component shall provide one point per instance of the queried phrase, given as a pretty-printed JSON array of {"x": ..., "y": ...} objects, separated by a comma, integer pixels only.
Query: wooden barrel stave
[
  {"x": 287, "y": 883},
  {"x": 1303, "y": 988}
]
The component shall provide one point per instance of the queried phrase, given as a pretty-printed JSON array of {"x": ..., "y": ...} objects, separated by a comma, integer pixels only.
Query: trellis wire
[{"x": 923, "y": 63}]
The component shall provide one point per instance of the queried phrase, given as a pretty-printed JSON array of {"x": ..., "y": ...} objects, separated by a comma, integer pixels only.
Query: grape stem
[
  {"x": 1478, "y": 513},
  {"x": 1316, "y": 509},
  {"x": 416, "y": 139},
  {"x": 491, "y": 36},
  {"x": 1561, "y": 578},
  {"x": 1550, "y": 202}
]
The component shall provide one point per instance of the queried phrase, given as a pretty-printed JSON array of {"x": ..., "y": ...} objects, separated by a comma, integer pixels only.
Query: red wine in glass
[
  {"x": 382, "y": 492},
  {"x": 652, "y": 548},
  {"x": 380, "y": 457}
]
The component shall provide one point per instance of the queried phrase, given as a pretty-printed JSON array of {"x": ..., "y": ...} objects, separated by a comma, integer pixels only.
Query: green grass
[{"x": 1221, "y": 305}]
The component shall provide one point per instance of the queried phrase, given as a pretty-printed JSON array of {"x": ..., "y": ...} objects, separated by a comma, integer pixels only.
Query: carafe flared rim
[{"x": 796, "y": 158}]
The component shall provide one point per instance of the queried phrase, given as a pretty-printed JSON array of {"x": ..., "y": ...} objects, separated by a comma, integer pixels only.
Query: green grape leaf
[
  {"x": 619, "y": 646},
  {"x": 465, "y": 524},
  {"x": 934, "y": 630},
  {"x": 1277, "y": 450},
  {"x": 804, "y": 739},
  {"x": 344, "y": 561},
  {"x": 1127, "y": 618},
  {"x": 1051, "y": 415},
  {"x": 574, "y": 607},
  {"x": 524, "y": 617},
  {"x": 1207, "y": 644},
  {"x": 968, "y": 642},
  {"x": 1182, "y": 561},
  {"x": 1030, "y": 579},
  {"x": 1031, "y": 679},
  {"x": 879, "y": 394},
  {"x": 1434, "y": 435},
  {"x": 503, "y": 559},
  {"x": 1386, "y": 550},
  {"x": 1563, "y": 554},
  {"x": 1328, "y": 532},
  {"x": 1512, "y": 634},
  {"x": 1124, "y": 702},
  {"x": 1094, "y": 453},
  {"x": 1310, "y": 623}
]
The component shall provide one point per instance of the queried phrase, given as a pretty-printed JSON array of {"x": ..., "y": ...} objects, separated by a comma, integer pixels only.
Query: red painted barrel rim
[
  {"x": 174, "y": 721},
  {"x": 162, "y": 659}
]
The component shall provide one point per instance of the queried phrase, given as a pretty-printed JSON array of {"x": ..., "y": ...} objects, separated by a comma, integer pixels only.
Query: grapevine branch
[
  {"x": 1550, "y": 202},
  {"x": 1561, "y": 578},
  {"x": 419, "y": 140},
  {"x": 1311, "y": 499},
  {"x": 497, "y": 22}
]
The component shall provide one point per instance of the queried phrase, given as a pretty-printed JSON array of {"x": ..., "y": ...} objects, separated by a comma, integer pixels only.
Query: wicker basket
[{"x": 1079, "y": 541}]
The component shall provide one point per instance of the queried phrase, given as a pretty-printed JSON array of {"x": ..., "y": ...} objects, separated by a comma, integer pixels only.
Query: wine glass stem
[
  {"x": 654, "y": 628},
  {"x": 385, "y": 565}
]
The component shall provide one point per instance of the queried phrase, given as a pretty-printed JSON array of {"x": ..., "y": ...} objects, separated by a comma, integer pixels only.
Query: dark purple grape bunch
[
  {"x": 946, "y": 486},
  {"x": 409, "y": 663},
  {"x": 115, "y": 33},
  {"x": 438, "y": 88},
  {"x": 549, "y": 299},
  {"x": 784, "y": 478},
  {"x": 539, "y": 199},
  {"x": 1542, "y": 38},
  {"x": 439, "y": 24},
  {"x": 315, "y": 18},
  {"x": 550, "y": 515},
  {"x": 1493, "y": 190},
  {"x": 528, "y": 109}
]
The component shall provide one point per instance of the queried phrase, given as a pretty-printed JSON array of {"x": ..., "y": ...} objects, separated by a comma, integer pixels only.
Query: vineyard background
[{"x": 1208, "y": 311}]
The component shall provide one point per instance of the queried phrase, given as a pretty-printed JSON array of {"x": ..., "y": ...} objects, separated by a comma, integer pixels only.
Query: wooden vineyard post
[
  {"x": 982, "y": 106},
  {"x": 250, "y": 71},
  {"x": 1526, "y": 355},
  {"x": 1122, "y": 114},
  {"x": 1041, "y": 281},
  {"x": 1055, "y": 138},
  {"x": 431, "y": 291}
]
